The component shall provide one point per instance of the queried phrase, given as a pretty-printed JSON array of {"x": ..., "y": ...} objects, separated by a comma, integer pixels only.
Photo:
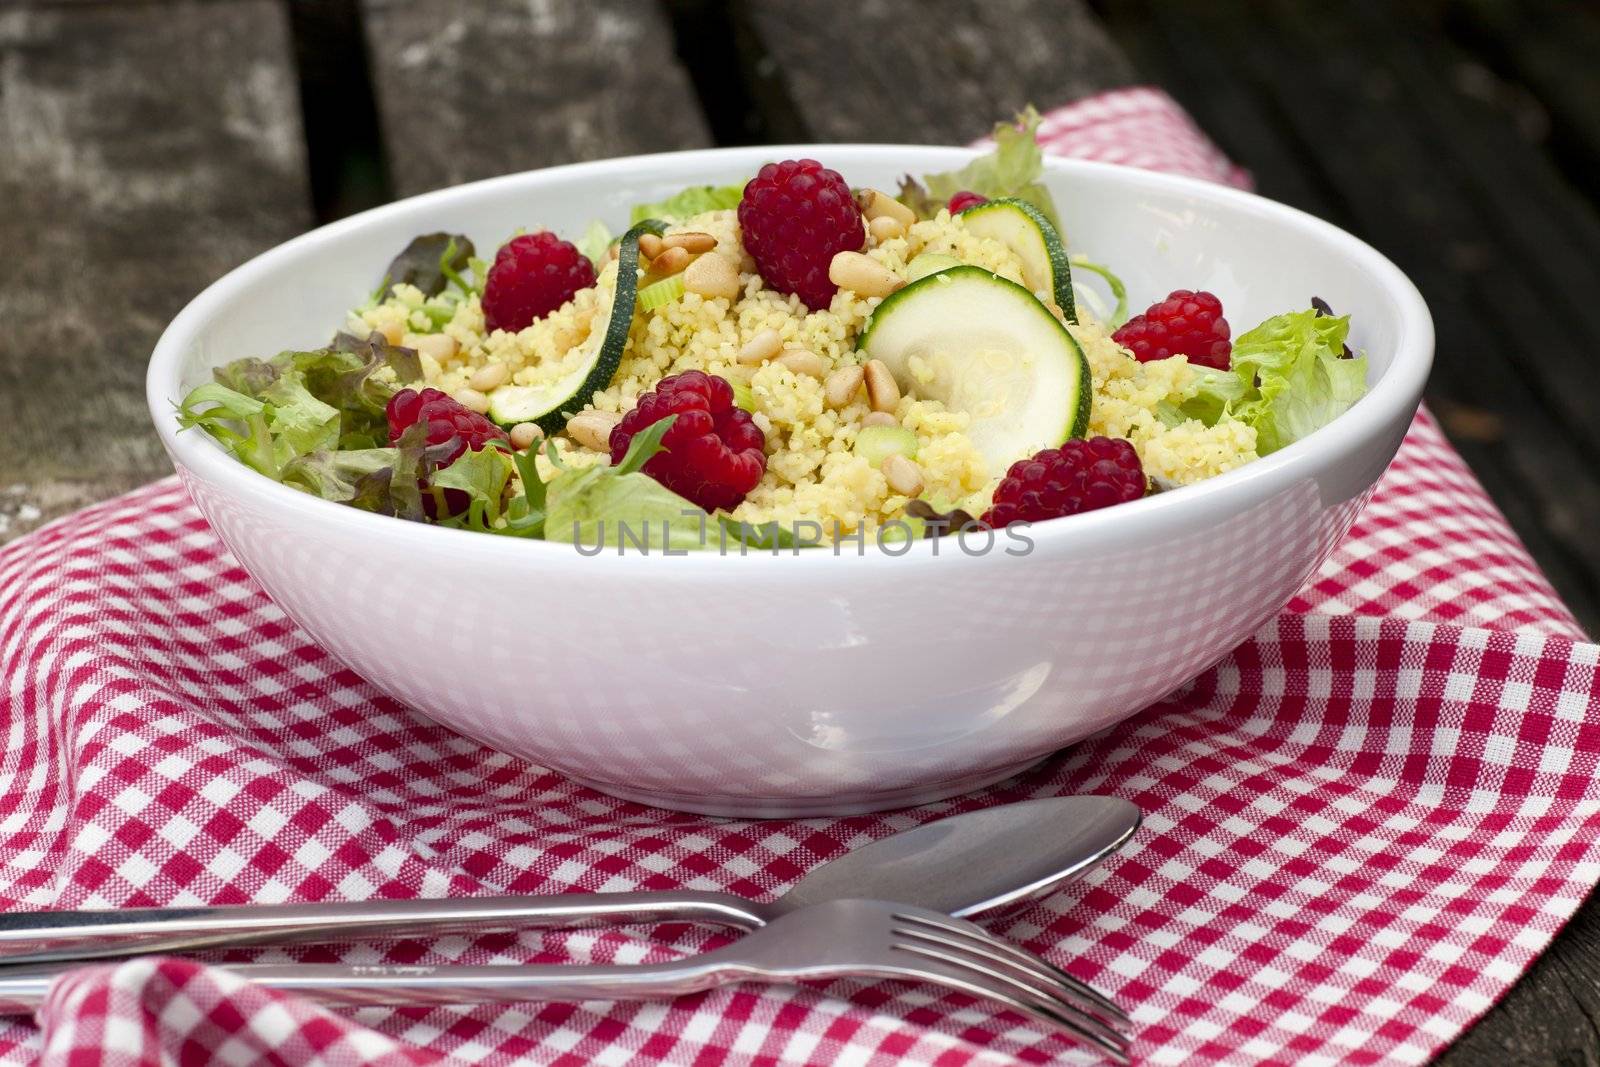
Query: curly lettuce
[
  {"x": 690, "y": 202},
  {"x": 1300, "y": 379},
  {"x": 309, "y": 419},
  {"x": 1014, "y": 167},
  {"x": 1289, "y": 376},
  {"x": 622, "y": 506}
]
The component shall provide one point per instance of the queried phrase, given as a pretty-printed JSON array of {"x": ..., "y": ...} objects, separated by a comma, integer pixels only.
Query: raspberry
[
  {"x": 452, "y": 429},
  {"x": 796, "y": 216},
  {"x": 1081, "y": 475},
  {"x": 533, "y": 274},
  {"x": 1184, "y": 324},
  {"x": 964, "y": 199},
  {"x": 716, "y": 454}
]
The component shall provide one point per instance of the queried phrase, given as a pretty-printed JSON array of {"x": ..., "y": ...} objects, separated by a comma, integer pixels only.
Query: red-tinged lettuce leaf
[
  {"x": 915, "y": 196},
  {"x": 248, "y": 376},
  {"x": 336, "y": 474},
  {"x": 342, "y": 376},
  {"x": 939, "y": 521},
  {"x": 410, "y": 473},
  {"x": 430, "y": 262}
]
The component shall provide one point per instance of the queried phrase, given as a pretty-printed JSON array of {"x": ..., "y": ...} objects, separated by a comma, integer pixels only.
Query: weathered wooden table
[{"x": 147, "y": 146}]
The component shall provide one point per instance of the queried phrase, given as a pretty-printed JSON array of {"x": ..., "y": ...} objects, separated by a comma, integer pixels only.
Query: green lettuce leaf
[
  {"x": 310, "y": 419},
  {"x": 1013, "y": 167},
  {"x": 690, "y": 202},
  {"x": 482, "y": 474},
  {"x": 525, "y": 512},
  {"x": 771, "y": 536},
  {"x": 622, "y": 507},
  {"x": 1216, "y": 392},
  {"x": 1294, "y": 377},
  {"x": 339, "y": 475},
  {"x": 239, "y": 423},
  {"x": 300, "y": 422},
  {"x": 1110, "y": 319},
  {"x": 595, "y": 243}
]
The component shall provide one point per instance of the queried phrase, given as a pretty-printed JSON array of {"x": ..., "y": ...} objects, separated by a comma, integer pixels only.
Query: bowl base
[{"x": 805, "y": 807}]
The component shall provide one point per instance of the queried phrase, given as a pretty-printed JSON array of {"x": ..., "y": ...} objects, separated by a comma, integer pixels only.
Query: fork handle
[
  {"x": 23, "y": 988},
  {"x": 45, "y": 936}
]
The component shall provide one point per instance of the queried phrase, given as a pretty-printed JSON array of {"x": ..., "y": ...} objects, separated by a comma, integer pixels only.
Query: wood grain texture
[
  {"x": 940, "y": 72},
  {"x": 1367, "y": 130},
  {"x": 476, "y": 88},
  {"x": 1374, "y": 128},
  {"x": 146, "y": 150}
]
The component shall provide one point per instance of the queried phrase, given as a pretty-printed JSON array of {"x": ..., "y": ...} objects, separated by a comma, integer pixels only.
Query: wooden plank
[
  {"x": 1545, "y": 53},
  {"x": 479, "y": 87},
  {"x": 148, "y": 149},
  {"x": 940, "y": 72},
  {"x": 1340, "y": 112},
  {"x": 1552, "y": 1015},
  {"x": 1329, "y": 132},
  {"x": 1348, "y": 151}
]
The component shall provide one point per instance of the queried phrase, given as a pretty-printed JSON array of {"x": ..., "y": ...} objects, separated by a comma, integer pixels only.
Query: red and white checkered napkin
[{"x": 1361, "y": 827}]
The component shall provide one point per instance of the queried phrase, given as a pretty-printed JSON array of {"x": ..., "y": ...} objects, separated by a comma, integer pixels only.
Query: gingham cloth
[{"x": 1360, "y": 828}]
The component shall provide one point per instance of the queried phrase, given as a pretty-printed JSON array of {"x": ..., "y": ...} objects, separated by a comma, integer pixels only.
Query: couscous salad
[{"x": 783, "y": 361}]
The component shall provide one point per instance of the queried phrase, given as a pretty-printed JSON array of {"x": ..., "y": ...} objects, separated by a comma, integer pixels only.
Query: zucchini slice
[
  {"x": 549, "y": 404},
  {"x": 1025, "y": 230},
  {"x": 985, "y": 345}
]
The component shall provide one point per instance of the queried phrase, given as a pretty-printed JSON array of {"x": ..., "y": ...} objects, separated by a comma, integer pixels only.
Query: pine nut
[
  {"x": 902, "y": 474},
  {"x": 393, "y": 332},
  {"x": 472, "y": 400},
  {"x": 863, "y": 275},
  {"x": 525, "y": 435},
  {"x": 842, "y": 386},
  {"x": 671, "y": 261},
  {"x": 592, "y": 429},
  {"x": 880, "y": 418},
  {"x": 712, "y": 277},
  {"x": 489, "y": 376},
  {"x": 886, "y": 228},
  {"x": 876, "y": 204},
  {"x": 802, "y": 362},
  {"x": 883, "y": 393},
  {"x": 693, "y": 242},
  {"x": 650, "y": 245},
  {"x": 760, "y": 348},
  {"x": 437, "y": 346}
]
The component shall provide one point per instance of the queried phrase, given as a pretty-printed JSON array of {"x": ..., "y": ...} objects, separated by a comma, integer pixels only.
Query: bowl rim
[{"x": 1394, "y": 396}]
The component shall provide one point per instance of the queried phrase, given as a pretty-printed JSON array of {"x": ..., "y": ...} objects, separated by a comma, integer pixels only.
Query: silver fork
[{"x": 838, "y": 939}]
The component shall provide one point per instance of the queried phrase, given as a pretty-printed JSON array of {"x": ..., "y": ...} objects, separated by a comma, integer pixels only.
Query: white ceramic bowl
[{"x": 807, "y": 684}]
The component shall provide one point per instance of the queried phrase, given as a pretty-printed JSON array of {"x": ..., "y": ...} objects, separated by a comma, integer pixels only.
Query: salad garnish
[{"x": 777, "y": 363}]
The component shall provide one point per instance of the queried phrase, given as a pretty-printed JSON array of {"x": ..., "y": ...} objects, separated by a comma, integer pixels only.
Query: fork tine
[
  {"x": 984, "y": 943},
  {"x": 1024, "y": 986},
  {"x": 958, "y": 976},
  {"x": 1045, "y": 982}
]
